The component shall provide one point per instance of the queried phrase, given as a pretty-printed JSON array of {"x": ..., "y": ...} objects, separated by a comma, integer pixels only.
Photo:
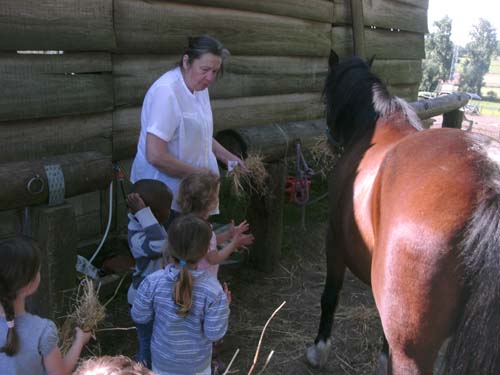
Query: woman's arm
[
  {"x": 157, "y": 154},
  {"x": 222, "y": 154}
]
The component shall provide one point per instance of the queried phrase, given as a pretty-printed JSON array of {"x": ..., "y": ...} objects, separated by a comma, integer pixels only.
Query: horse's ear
[
  {"x": 333, "y": 59},
  {"x": 370, "y": 62}
]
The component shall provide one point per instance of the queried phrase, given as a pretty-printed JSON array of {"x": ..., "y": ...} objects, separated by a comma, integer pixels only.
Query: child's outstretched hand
[
  {"x": 242, "y": 239},
  {"x": 135, "y": 202},
  {"x": 81, "y": 337},
  {"x": 227, "y": 292}
]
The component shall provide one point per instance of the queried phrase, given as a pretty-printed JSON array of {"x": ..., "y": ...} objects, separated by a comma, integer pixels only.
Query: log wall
[{"x": 88, "y": 98}]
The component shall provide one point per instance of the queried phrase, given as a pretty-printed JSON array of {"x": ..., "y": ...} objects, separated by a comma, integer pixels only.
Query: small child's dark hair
[
  {"x": 19, "y": 266},
  {"x": 108, "y": 365},
  {"x": 155, "y": 195}
]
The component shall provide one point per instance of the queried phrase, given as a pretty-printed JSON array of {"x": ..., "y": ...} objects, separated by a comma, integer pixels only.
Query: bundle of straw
[
  {"x": 88, "y": 313},
  {"x": 323, "y": 156},
  {"x": 254, "y": 177}
]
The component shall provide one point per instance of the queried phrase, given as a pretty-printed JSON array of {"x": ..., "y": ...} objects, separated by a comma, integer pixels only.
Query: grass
[{"x": 487, "y": 108}]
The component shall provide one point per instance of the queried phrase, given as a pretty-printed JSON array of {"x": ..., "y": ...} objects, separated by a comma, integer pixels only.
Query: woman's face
[{"x": 202, "y": 72}]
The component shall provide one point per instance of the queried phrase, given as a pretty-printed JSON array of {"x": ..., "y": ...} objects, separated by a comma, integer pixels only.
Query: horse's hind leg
[{"x": 318, "y": 353}]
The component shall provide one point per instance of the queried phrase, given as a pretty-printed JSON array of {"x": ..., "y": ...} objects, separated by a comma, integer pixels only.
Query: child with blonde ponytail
[
  {"x": 28, "y": 343},
  {"x": 189, "y": 308}
]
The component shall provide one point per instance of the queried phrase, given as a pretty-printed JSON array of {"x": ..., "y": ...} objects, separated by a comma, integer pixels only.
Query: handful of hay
[
  {"x": 88, "y": 313},
  {"x": 323, "y": 156},
  {"x": 255, "y": 178}
]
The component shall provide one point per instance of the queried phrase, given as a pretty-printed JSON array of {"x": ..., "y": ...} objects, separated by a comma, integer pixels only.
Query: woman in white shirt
[{"x": 176, "y": 121}]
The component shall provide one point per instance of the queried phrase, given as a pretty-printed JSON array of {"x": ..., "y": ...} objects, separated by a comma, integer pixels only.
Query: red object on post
[{"x": 294, "y": 189}]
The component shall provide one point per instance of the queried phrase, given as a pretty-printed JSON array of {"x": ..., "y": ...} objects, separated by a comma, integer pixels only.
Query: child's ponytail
[
  {"x": 188, "y": 241},
  {"x": 183, "y": 292},
  {"x": 11, "y": 346}
]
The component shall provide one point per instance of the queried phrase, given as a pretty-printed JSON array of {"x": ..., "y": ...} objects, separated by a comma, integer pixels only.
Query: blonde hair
[
  {"x": 188, "y": 242},
  {"x": 197, "y": 191},
  {"x": 108, "y": 365}
]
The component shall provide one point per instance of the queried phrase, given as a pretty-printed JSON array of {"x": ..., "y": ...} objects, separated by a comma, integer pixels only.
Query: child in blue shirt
[
  {"x": 149, "y": 204},
  {"x": 28, "y": 343},
  {"x": 189, "y": 308}
]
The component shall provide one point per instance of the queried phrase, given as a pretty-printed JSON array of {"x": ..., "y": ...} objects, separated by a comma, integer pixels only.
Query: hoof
[{"x": 317, "y": 354}]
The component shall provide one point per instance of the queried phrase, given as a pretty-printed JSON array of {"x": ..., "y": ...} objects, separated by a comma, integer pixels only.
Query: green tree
[
  {"x": 438, "y": 55},
  {"x": 478, "y": 56}
]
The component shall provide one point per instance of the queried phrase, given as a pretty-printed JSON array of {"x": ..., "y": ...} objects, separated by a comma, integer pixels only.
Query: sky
[{"x": 464, "y": 14}]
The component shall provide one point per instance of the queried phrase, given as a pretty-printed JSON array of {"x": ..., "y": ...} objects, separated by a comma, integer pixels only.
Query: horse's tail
[{"x": 475, "y": 346}]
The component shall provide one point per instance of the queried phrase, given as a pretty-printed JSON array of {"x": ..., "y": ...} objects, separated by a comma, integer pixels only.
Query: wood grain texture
[
  {"x": 37, "y": 86},
  {"x": 163, "y": 27},
  {"x": 67, "y": 25}
]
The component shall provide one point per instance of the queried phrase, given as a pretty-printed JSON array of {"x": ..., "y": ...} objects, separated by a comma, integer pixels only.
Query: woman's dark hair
[
  {"x": 188, "y": 241},
  {"x": 19, "y": 266},
  {"x": 200, "y": 45}
]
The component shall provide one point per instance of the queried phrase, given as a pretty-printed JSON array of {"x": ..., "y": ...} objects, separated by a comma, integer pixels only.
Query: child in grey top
[
  {"x": 149, "y": 204},
  {"x": 28, "y": 343}
]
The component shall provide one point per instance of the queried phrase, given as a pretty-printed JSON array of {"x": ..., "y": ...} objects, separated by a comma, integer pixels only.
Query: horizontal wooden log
[
  {"x": 398, "y": 72},
  {"x": 383, "y": 44},
  {"x": 442, "y": 104},
  {"x": 424, "y": 4},
  {"x": 315, "y": 10},
  {"x": 163, "y": 27},
  {"x": 243, "y": 76},
  {"x": 272, "y": 142},
  {"x": 33, "y": 139},
  {"x": 83, "y": 172},
  {"x": 69, "y": 25},
  {"x": 384, "y": 14},
  {"x": 37, "y": 86},
  {"x": 228, "y": 114}
]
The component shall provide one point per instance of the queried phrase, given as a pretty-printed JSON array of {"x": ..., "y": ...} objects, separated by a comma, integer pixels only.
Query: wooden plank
[
  {"x": 33, "y": 139},
  {"x": 37, "y": 86},
  {"x": 69, "y": 25},
  {"x": 243, "y": 76},
  {"x": 315, "y": 10},
  {"x": 9, "y": 223},
  {"x": 228, "y": 113},
  {"x": 163, "y": 27},
  {"x": 428, "y": 108},
  {"x": 25, "y": 182},
  {"x": 398, "y": 72},
  {"x": 424, "y": 4},
  {"x": 383, "y": 44},
  {"x": 385, "y": 14},
  {"x": 407, "y": 92}
]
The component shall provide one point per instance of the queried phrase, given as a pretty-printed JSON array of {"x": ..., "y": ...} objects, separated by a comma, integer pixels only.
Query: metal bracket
[{"x": 55, "y": 178}]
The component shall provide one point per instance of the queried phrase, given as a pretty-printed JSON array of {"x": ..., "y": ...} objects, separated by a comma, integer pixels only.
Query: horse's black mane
[{"x": 349, "y": 93}]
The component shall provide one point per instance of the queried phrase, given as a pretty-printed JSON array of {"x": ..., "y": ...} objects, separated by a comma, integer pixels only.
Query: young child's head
[
  {"x": 19, "y": 273},
  {"x": 188, "y": 242},
  {"x": 156, "y": 195},
  {"x": 199, "y": 193},
  {"x": 107, "y": 365}
]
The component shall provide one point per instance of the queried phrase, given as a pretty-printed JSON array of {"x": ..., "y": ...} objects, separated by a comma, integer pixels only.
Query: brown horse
[{"x": 415, "y": 214}]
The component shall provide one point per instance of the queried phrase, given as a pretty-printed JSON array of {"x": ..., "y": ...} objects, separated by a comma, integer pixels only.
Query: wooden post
[
  {"x": 265, "y": 216},
  {"x": 453, "y": 119},
  {"x": 358, "y": 28},
  {"x": 54, "y": 229}
]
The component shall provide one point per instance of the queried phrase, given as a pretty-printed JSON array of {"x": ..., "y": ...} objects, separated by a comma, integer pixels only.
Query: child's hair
[
  {"x": 156, "y": 195},
  {"x": 197, "y": 191},
  {"x": 19, "y": 266},
  {"x": 108, "y": 365},
  {"x": 188, "y": 242}
]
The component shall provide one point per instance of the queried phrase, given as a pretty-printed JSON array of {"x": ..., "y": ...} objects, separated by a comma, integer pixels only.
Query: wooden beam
[
  {"x": 315, "y": 10},
  {"x": 243, "y": 76},
  {"x": 442, "y": 104},
  {"x": 25, "y": 182},
  {"x": 37, "y": 86},
  {"x": 69, "y": 25},
  {"x": 358, "y": 28},
  {"x": 163, "y": 27},
  {"x": 34, "y": 139}
]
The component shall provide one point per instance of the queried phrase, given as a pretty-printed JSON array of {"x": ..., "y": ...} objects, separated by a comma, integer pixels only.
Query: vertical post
[
  {"x": 358, "y": 28},
  {"x": 453, "y": 119},
  {"x": 54, "y": 229},
  {"x": 265, "y": 216}
]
